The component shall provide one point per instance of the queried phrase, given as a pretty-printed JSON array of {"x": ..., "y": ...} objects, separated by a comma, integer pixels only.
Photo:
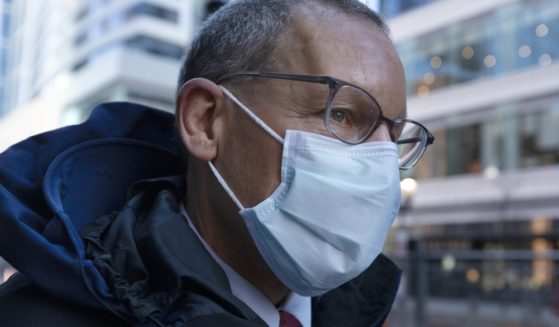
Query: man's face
[{"x": 332, "y": 44}]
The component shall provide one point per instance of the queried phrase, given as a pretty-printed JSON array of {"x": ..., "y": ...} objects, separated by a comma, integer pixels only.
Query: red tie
[{"x": 288, "y": 320}]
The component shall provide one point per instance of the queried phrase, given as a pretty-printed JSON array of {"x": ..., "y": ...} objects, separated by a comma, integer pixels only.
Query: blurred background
[{"x": 478, "y": 232}]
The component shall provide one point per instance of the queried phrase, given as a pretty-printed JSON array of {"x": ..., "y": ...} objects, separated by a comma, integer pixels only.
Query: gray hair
[{"x": 243, "y": 35}]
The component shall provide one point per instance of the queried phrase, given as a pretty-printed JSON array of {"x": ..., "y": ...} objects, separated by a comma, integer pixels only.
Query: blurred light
[
  {"x": 62, "y": 81},
  {"x": 540, "y": 245},
  {"x": 489, "y": 61},
  {"x": 468, "y": 53},
  {"x": 541, "y": 268},
  {"x": 524, "y": 51},
  {"x": 436, "y": 62},
  {"x": 429, "y": 78},
  {"x": 472, "y": 275},
  {"x": 540, "y": 225},
  {"x": 542, "y": 30},
  {"x": 423, "y": 91},
  {"x": 545, "y": 60},
  {"x": 491, "y": 172},
  {"x": 448, "y": 262},
  {"x": 408, "y": 186}
]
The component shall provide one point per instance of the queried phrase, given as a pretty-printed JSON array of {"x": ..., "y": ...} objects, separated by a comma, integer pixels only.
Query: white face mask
[{"x": 328, "y": 219}]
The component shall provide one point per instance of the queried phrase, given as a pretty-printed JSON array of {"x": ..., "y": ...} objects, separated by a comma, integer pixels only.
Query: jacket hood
[{"x": 54, "y": 184}]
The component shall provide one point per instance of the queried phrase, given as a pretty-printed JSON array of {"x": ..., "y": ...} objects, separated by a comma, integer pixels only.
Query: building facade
[
  {"x": 66, "y": 56},
  {"x": 484, "y": 77},
  {"x": 5, "y": 31}
]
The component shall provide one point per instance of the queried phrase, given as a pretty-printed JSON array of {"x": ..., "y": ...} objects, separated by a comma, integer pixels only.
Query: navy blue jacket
[{"x": 89, "y": 215}]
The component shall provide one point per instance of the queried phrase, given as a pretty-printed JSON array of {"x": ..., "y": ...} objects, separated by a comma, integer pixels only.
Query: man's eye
[{"x": 337, "y": 115}]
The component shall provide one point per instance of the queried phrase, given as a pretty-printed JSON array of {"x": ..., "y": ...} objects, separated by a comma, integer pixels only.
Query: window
[
  {"x": 153, "y": 11},
  {"x": 463, "y": 155},
  {"x": 82, "y": 13},
  {"x": 116, "y": 20},
  {"x": 391, "y": 8},
  {"x": 156, "y": 47},
  {"x": 509, "y": 136},
  {"x": 519, "y": 35},
  {"x": 539, "y": 136},
  {"x": 3, "y": 67},
  {"x": 5, "y": 25},
  {"x": 142, "y": 43}
]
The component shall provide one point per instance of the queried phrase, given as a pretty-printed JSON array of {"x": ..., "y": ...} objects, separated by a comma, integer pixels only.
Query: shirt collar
[{"x": 297, "y": 305}]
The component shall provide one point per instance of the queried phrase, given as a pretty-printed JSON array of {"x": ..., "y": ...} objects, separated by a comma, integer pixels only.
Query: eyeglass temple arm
[
  {"x": 430, "y": 140},
  {"x": 430, "y": 137},
  {"x": 410, "y": 140},
  {"x": 291, "y": 77}
]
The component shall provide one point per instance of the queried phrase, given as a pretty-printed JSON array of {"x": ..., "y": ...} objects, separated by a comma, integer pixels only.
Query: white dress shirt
[{"x": 297, "y": 305}]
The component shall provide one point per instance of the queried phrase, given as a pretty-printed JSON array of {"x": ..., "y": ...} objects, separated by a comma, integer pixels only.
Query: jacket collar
[{"x": 153, "y": 212}]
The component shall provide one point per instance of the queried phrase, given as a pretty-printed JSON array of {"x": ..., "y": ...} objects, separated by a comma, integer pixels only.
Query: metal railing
[{"x": 476, "y": 288}]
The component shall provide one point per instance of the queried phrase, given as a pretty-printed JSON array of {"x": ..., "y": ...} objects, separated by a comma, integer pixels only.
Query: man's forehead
[
  {"x": 327, "y": 42},
  {"x": 352, "y": 49}
]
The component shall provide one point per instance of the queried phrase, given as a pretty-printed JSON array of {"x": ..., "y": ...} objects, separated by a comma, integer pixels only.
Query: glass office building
[
  {"x": 518, "y": 36},
  {"x": 480, "y": 237}
]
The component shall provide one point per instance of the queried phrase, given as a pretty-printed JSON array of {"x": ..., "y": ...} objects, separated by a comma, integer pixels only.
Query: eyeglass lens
[
  {"x": 353, "y": 114},
  {"x": 411, "y": 142}
]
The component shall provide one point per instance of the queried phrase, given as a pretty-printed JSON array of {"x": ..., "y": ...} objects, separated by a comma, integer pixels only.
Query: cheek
[{"x": 249, "y": 159}]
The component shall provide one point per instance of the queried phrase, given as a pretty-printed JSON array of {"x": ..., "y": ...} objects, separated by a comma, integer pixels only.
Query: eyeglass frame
[{"x": 334, "y": 85}]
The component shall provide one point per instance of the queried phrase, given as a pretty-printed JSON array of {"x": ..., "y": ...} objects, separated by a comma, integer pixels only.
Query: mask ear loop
[
  {"x": 260, "y": 123},
  {"x": 226, "y": 187},
  {"x": 251, "y": 114}
]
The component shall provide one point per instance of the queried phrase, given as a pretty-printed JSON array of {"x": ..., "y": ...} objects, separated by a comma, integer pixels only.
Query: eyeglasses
[{"x": 352, "y": 114}]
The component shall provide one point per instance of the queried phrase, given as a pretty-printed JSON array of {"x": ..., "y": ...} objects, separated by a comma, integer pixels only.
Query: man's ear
[{"x": 197, "y": 106}]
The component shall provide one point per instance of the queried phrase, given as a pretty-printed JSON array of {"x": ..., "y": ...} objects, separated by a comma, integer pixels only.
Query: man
[{"x": 290, "y": 112}]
